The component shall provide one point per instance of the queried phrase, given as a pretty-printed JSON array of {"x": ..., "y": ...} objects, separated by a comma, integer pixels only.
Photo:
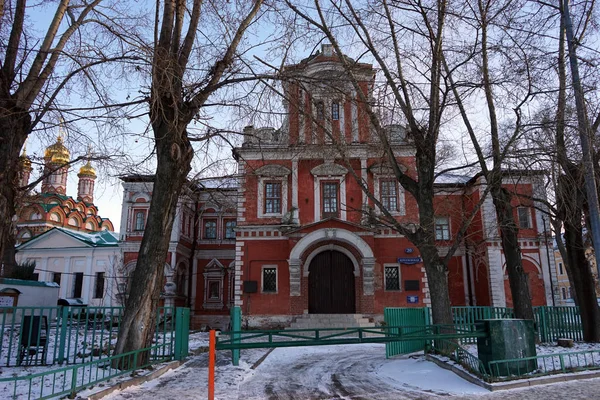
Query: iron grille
[
  {"x": 269, "y": 280},
  {"x": 392, "y": 278}
]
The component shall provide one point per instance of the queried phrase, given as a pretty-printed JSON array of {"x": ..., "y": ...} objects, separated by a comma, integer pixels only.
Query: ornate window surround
[
  {"x": 213, "y": 272},
  {"x": 329, "y": 171},
  {"x": 385, "y": 172},
  {"x": 272, "y": 173}
]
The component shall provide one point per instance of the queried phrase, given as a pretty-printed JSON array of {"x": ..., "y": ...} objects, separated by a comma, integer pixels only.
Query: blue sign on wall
[
  {"x": 409, "y": 260},
  {"x": 412, "y": 299}
]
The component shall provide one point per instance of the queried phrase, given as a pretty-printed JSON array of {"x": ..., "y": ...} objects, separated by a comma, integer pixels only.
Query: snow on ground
[
  {"x": 550, "y": 364},
  {"x": 319, "y": 372}
]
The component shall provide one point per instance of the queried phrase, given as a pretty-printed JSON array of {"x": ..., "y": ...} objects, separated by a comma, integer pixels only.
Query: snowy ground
[
  {"x": 591, "y": 357},
  {"x": 335, "y": 372},
  {"x": 62, "y": 381},
  {"x": 346, "y": 371}
]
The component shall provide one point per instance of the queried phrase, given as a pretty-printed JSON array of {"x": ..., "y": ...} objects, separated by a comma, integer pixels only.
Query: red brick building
[{"x": 305, "y": 241}]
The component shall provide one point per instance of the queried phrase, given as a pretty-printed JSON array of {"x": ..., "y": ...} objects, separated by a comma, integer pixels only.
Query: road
[{"x": 336, "y": 372}]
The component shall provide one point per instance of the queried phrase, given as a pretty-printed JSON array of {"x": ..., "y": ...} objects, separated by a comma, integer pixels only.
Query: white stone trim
[
  {"x": 342, "y": 235},
  {"x": 392, "y": 265},
  {"x": 261, "y": 197},
  {"x": 329, "y": 247},
  {"x": 400, "y": 194}
]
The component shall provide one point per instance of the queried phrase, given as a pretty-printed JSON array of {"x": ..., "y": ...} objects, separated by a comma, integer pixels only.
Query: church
[
  {"x": 292, "y": 234},
  {"x": 70, "y": 243}
]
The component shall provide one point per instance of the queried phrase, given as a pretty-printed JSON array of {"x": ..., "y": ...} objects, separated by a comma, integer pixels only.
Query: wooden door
[{"x": 331, "y": 284}]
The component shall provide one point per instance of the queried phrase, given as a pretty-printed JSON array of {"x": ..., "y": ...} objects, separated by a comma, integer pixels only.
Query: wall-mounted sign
[
  {"x": 412, "y": 299},
  {"x": 411, "y": 285},
  {"x": 409, "y": 260},
  {"x": 409, "y": 250}
]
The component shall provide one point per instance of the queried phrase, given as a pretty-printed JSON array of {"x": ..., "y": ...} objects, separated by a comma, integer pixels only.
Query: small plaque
[
  {"x": 7, "y": 301},
  {"x": 250, "y": 286},
  {"x": 412, "y": 286},
  {"x": 409, "y": 260},
  {"x": 412, "y": 299}
]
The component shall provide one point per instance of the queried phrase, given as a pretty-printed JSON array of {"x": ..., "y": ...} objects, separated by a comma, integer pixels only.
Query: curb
[
  {"x": 522, "y": 383},
  {"x": 136, "y": 381}
]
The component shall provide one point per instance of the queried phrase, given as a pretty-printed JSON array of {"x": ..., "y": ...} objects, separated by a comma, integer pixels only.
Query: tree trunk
[
  {"x": 570, "y": 203},
  {"x": 437, "y": 278},
  {"x": 15, "y": 125},
  {"x": 509, "y": 233},
  {"x": 174, "y": 155}
]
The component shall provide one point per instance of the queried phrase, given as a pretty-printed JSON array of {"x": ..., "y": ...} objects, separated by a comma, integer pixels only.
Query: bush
[{"x": 23, "y": 271}]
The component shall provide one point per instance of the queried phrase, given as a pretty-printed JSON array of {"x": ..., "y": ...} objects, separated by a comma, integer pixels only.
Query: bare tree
[
  {"x": 411, "y": 65},
  {"x": 177, "y": 95},
  {"x": 34, "y": 74}
]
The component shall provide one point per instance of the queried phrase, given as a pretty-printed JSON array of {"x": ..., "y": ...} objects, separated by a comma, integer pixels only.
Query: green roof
[
  {"x": 103, "y": 238},
  {"x": 23, "y": 282}
]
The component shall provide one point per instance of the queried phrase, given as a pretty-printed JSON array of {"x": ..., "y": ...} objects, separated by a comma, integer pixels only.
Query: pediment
[
  {"x": 385, "y": 169},
  {"x": 329, "y": 169},
  {"x": 53, "y": 239},
  {"x": 273, "y": 170}
]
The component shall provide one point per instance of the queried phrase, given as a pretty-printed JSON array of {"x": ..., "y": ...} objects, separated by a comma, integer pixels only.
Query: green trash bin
[{"x": 508, "y": 339}]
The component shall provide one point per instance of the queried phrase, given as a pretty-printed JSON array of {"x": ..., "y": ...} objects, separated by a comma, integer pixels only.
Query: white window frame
[
  {"x": 392, "y": 265},
  {"x": 262, "y": 279},
  {"x": 529, "y": 224},
  {"x": 435, "y": 225},
  {"x": 214, "y": 272},
  {"x": 401, "y": 198},
  {"x": 272, "y": 173}
]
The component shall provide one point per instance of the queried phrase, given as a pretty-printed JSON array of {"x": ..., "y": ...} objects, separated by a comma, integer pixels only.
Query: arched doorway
[{"x": 331, "y": 284}]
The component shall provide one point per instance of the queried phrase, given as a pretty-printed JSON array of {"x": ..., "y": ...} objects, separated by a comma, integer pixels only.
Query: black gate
[{"x": 331, "y": 284}]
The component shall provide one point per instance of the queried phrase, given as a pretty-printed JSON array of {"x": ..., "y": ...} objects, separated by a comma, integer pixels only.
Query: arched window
[{"x": 139, "y": 221}]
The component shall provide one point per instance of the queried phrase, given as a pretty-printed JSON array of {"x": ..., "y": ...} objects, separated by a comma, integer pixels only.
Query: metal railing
[
  {"x": 58, "y": 335},
  {"x": 73, "y": 378}
]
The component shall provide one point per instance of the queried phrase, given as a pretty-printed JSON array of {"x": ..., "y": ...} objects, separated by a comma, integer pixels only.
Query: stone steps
[{"x": 324, "y": 321}]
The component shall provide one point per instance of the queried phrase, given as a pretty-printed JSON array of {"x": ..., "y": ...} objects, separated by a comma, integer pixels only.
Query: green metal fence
[
  {"x": 558, "y": 322},
  {"x": 73, "y": 378},
  {"x": 408, "y": 320},
  {"x": 57, "y": 335}
]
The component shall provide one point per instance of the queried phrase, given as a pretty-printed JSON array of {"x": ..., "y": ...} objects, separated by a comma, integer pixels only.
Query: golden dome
[
  {"x": 87, "y": 170},
  {"x": 25, "y": 161},
  {"x": 57, "y": 153}
]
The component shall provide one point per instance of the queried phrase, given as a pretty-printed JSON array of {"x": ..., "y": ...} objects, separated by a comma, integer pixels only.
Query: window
[
  {"x": 560, "y": 268},
  {"x": 214, "y": 290},
  {"x": 99, "y": 289},
  {"x": 320, "y": 111},
  {"x": 523, "y": 213},
  {"x": 392, "y": 277},
  {"x": 139, "y": 221},
  {"x": 335, "y": 111},
  {"x": 210, "y": 229},
  {"x": 229, "y": 229},
  {"x": 330, "y": 199},
  {"x": 269, "y": 280},
  {"x": 272, "y": 197},
  {"x": 564, "y": 293},
  {"x": 78, "y": 284},
  {"x": 442, "y": 228},
  {"x": 56, "y": 278},
  {"x": 389, "y": 194},
  {"x": 35, "y": 277}
]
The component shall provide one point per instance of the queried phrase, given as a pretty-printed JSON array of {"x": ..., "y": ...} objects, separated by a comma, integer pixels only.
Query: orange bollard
[{"x": 211, "y": 364}]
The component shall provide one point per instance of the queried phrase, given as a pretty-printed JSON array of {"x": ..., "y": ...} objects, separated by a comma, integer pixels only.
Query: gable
[
  {"x": 331, "y": 223},
  {"x": 53, "y": 239}
]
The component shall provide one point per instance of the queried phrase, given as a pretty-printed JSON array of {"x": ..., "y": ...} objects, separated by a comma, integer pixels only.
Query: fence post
[
  {"x": 64, "y": 322},
  {"x": 236, "y": 326},
  {"x": 182, "y": 332},
  {"x": 543, "y": 324}
]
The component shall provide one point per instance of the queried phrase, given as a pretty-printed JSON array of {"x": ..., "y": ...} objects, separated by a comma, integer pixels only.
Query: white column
[
  {"x": 87, "y": 280},
  {"x": 44, "y": 274},
  {"x": 194, "y": 284},
  {"x": 295, "y": 209},
  {"x": 354, "y": 118},
  {"x": 66, "y": 279}
]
